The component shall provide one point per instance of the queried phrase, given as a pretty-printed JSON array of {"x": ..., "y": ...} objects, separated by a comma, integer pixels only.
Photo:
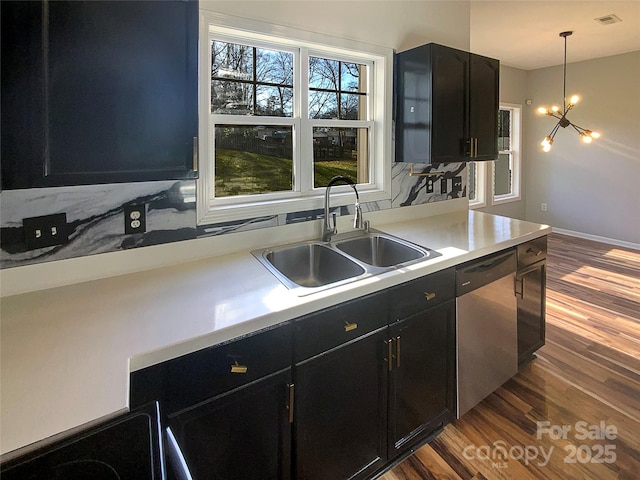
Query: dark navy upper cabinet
[
  {"x": 447, "y": 104},
  {"x": 98, "y": 92}
]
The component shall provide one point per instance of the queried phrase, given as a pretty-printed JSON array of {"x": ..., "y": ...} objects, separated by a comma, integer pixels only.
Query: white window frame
[
  {"x": 485, "y": 171},
  {"x": 481, "y": 183},
  {"x": 302, "y": 44},
  {"x": 515, "y": 154}
]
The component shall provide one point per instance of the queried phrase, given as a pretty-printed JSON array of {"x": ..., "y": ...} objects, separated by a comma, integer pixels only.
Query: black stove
[{"x": 128, "y": 447}]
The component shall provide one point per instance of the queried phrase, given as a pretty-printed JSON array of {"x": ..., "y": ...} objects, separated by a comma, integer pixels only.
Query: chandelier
[{"x": 587, "y": 136}]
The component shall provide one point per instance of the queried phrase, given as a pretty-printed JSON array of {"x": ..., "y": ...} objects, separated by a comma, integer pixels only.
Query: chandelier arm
[
  {"x": 578, "y": 128},
  {"x": 554, "y": 131}
]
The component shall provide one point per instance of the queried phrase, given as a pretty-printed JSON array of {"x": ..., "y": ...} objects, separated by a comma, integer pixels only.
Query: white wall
[
  {"x": 592, "y": 189},
  {"x": 392, "y": 23}
]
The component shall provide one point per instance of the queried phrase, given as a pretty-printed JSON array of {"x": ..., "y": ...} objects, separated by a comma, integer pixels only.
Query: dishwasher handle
[{"x": 479, "y": 273}]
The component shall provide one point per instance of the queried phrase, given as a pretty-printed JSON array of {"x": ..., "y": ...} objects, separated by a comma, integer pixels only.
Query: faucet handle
[
  {"x": 357, "y": 218},
  {"x": 335, "y": 225}
]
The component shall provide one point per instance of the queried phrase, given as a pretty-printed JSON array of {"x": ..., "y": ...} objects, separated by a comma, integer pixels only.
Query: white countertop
[{"x": 66, "y": 352}]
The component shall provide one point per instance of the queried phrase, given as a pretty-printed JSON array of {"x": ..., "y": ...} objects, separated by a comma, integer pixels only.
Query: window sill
[
  {"x": 506, "y": 199},
  {"x": 218, "y": 214}
]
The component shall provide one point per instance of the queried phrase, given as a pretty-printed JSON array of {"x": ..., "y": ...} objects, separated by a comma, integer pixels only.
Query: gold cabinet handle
[
  {"x": 291, "y": 400},
  {"x": 429, "y": 295},
  {"x": 350, "y": 326},
  {"x": 398, "y": 351},
  {"x": 389, "y": 353},
  {"x": 236, "y": 368}
]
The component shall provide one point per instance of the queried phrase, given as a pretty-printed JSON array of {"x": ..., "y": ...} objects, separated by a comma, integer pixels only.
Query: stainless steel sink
[
  {"x": 381, "y": 250},
  {"x": 308, "y": 267}
]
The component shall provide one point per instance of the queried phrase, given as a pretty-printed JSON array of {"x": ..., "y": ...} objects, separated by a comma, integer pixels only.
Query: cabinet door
[
  {"x": 422, "y": 381},
  {"x": 484, "y": 81},
  {"x": 530, "y": 290},
  {"x": 450, "y": 105},
  {"x": 239, "y": 435},
  {"x": 118, "y": 96},
  {"x": 340, "y": 411},
  {"x": 413, "y": 105}
]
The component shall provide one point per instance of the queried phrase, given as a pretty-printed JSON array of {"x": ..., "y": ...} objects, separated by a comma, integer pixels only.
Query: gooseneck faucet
[{"x": 328, "y": 231}]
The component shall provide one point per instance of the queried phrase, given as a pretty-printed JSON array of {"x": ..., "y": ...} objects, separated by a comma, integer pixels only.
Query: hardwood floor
[{"x": 586, "y": 380}]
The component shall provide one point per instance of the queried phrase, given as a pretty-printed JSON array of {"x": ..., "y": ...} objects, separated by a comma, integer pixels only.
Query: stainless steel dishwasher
[{"x": 486, "y": 327}]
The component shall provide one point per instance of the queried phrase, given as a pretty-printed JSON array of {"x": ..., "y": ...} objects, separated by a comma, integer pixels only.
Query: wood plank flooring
[{"x": 586, "y": 380}]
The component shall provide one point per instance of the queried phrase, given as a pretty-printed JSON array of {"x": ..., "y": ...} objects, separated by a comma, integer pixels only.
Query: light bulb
[
  {"x": 543, "y": 111},
  {"x": 574, "y": 99},
  {"x": 594, "y": 134},
  {"x": 546, "y": 148},
  {"x": 555, "y": 108},
  {"x": 586, "y": 138}
]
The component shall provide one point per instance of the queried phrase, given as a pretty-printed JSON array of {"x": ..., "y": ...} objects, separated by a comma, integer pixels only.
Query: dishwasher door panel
[{"x": 487, "y": 339}]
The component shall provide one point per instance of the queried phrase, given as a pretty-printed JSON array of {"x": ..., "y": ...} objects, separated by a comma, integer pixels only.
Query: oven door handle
[{"x": 176, "y": 457}]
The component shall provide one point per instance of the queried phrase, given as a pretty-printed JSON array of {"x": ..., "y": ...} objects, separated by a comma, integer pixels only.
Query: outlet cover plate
[
  {"x": 45, "y": 231},
  {"x": 135, "y": 219}
]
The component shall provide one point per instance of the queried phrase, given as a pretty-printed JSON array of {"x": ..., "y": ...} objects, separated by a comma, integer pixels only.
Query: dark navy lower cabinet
[
  {"x": 237, "y": 435},
  {"x": 341, "y": 411},
  {"x": 341, "y": 393},
  {"x": 227, "y": 409}
]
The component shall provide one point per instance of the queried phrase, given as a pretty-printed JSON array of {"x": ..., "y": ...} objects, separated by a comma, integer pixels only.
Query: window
[
  {"x": 280, "y": 116},
  {"x": 502, "y": 176}
]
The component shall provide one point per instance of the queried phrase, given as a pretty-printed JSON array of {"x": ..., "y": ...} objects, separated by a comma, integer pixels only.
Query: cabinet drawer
[
  {"x": 192, "y": 378},
  {"x": 532, "y": 251},
  {"x": 321, "y": 331},
  {"x": 417, "y": 295}
]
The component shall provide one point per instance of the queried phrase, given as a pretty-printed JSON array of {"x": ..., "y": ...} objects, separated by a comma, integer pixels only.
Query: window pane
[
  {"x": 353, "y": 107},
  {"x": 323, "y": 104},
  {"x": 231, "y": 98},
  {"x": 274, "y": 67},
  {"x": 502, "y": 175},
  {"x": 353, "y": 77},
  {"x": 337, "y": 89},
  {"x": 504, "y": 130},
  {"x": 238, "y": 89},
  {"x": 340, "y": 151},
  {"x": 274, "y": 101},
  {"x": 324, "y": 73},
  {"x": 253, "y": 159},
  {"x": 231, "y": 60}
]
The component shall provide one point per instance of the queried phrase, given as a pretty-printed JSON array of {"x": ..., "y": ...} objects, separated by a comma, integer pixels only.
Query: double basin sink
[{"x": 308, "y": 267}]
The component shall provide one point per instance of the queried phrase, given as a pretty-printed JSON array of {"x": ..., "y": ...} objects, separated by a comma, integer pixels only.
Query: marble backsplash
[{"x": 95, "y": 213}]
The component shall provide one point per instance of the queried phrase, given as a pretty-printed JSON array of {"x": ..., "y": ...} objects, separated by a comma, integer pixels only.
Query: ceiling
[{"x": 525, "y": 34}]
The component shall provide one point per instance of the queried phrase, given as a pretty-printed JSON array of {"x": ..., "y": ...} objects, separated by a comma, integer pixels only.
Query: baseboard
[{"x": 597, "y": 238}]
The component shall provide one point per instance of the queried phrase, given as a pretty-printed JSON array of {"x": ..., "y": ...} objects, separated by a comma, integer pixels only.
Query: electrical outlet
[
  {"x": 45, "y": 231},
  {"x": 543, "y": 207},
  {"x": 429, "y": 185},
  {"x": 135, "y": 219}
]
